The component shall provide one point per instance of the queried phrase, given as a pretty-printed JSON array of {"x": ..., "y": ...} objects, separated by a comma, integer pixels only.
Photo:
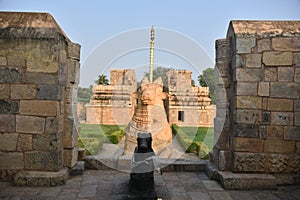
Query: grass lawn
[
  {"x": 92, "y": 136},
  {"x": 198, "y": 140},
  {"x": 203, "y": 134}
]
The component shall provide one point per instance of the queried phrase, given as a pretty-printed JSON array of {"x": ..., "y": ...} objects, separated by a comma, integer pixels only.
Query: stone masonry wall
[
  {"x": 258, "y": 115},
  {"x": 39, "y": 68}
]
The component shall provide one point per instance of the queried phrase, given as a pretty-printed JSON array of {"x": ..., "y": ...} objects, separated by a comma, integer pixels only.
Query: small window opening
[{"x": 181, "y": 116}]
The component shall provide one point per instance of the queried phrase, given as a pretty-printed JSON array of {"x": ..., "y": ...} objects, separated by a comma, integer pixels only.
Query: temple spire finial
[{"x": 151, "y": 54}]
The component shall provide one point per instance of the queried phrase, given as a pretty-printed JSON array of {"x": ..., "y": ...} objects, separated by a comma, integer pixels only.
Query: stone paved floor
[{"x": 110, "y": 185}]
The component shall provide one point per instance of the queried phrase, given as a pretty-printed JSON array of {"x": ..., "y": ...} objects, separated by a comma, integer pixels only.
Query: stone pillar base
[{"x": 40, "y": 178}]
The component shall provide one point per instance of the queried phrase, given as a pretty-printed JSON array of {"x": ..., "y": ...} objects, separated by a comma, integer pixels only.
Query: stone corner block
[
  {"x": 245, "y": 44},
  {"x": 73, "y": 51}
]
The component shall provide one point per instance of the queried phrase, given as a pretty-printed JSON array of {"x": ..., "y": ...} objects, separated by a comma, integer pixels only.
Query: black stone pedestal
[{"x": 141, "y": 183}]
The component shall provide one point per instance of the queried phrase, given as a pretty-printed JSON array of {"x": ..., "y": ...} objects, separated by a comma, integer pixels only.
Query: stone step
[
  {"x": 78, "y": 169},
  {"x": 236, "y": 181},
  {"x": 40, "y": 178},
  {"x": 123, "y": 163}
]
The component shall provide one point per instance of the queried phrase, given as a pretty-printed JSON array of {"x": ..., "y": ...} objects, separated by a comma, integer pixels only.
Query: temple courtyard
[{"x": 111, "y": 184}]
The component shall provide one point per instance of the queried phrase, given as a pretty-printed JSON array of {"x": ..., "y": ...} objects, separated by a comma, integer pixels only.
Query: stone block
[
  {"x": 222, "y": 141},
  {"x": 296, "y": 105},
  {"x": 265, "y": 103},
  {"x": 245, "y": 44},
  {"x": 7, "y": 123},
  {"x": 292, "y": 133},
  {"x": 262, "y": 134},
  {"x": 297, "y": 75},
  {"x": 238, "y": 61},
  {"x": 222, "y": 49},
  {"x": 73, "y": 71},
  {"x": 251, "y": 102},
  {"x": 283, "y": 163},
  {"x": 3, "y": 61},
  {"x": 246, "y": 89},
  {"x": 279, "y": 146},
  {"x": 9, "y": 106},
  {"x": 286, "y": 74},
  {"x": 286, "y": 44},
  {"x": 43, "y": 64},
  {"x": 246, "y": 130},
  {"x": 41, "y": 78},
  {"x": 52, "y": 124},
  {"x": 24, "y": 91},
  {"x": 298, "y": 147},
  {"x": 24, "y": 142},
  {"x": 10, "y": 75},
  {"x": 70, "y": 157},
  {"x": 81, "y": 154},
  {"x": 8, "y": 141},
  {"x": 284, "y": 90},
  {"x": 248, "y": 116},
  {"x": 221, "y": 124},
  {"x": 39, "y": 107},
  {"x": 41, "y": 178},
  {"x": 271, "y": 74},
  {"x": 249, "y": 162},
  {"x": 276, "y": 104},
  {"x": 235, "y": 181},
  {"x": 253, "y": 60},
  {"x": 297, "y": 59},
  {"x": 47, "y": 142},
  {"x": 15, "y": 61},
  {"x": 30, "y": 124},
  {"x": 274, "y": 132},
  {"x": 252, "y": 145},
  {"x": 73, "y": 51},
  {"x": 263, "y": 45},
  {"x": 43, "y": 160},
  {"x": 297, "y": 118},
  {"x": 224, "y": 160},
  {"x": 49, "y": 92},
  {"x": 264, "y": 89},
  {"x": 70, "y": 133},
  {"x": 249, "y": 75},
  {"x": 282, "y": 118},
  {"x": 4, "y": 91},
  {"x": 78, "y": 169},
  {"x": 277, "y": 58},
  {"x": 11, "y": 160}
]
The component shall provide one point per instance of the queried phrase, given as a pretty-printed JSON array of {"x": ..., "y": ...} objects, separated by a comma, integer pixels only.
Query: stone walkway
[{"x": 112, "y": 184}]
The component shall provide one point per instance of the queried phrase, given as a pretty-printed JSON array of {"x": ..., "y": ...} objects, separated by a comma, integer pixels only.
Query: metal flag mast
[{"x": 151, "y": 55}]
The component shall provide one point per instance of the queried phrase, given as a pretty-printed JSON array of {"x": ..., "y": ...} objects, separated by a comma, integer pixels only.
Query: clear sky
[{"x": 92, "y": 22}]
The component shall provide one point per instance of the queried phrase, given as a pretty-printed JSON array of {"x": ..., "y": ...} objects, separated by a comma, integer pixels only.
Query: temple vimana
[{"x": 186, "y": 105}]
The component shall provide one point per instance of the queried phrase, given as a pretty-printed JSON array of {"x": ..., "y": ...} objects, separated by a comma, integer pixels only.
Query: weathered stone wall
[
  {"x": 39, "y": 68},
  {"x": 257, "y": 124}
]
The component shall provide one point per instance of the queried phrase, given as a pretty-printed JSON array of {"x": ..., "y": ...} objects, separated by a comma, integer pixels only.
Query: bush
[{"x": 116, "y": 136}]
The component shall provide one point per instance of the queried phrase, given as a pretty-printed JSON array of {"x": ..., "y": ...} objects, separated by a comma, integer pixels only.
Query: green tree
[
  {"x": 159, "y": 72},
  {"x": 84, "y": 94},
  {"x": 207, "y": 79},
  {"x": 102, "y": 80}
]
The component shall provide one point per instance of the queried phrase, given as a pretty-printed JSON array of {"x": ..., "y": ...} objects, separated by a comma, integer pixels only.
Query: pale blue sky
[{"x": 91, "y": 22}]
